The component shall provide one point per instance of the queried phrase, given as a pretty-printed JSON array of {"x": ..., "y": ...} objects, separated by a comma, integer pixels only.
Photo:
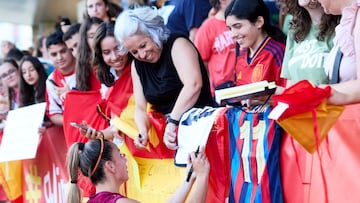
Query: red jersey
[{"x": 264, "y": 65}]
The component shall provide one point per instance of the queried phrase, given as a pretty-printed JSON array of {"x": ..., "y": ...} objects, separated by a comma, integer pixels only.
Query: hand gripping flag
[{"x": 307, "y": 116}]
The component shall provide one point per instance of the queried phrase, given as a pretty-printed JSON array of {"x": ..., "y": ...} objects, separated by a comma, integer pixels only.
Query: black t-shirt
[{"x": 161, "y": 83}]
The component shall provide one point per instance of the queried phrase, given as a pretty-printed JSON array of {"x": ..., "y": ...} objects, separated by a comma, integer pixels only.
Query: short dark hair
[
  {"x": 15, "y": 54},
  {"x": 73, "y": 29},
  {"x": 65, "y": 21},
  {"x": 54, "y": 39}
]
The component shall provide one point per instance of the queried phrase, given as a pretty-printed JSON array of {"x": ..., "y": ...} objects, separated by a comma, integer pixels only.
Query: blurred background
[{"x": 22, "y": 21}]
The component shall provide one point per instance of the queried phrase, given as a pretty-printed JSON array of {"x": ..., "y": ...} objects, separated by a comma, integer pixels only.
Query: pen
[{"x": 191, "y": 168}]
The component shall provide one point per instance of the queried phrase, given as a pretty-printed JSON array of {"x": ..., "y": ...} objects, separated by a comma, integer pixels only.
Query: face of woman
[
  {"x": 90, "y": 35},
  {"x": 245, "y": 33},
  {"x": 143, "y": 48},
  {"x": 119, "y": 161},
  {"x": 111, "y": 54},
  {"x": 331, "y": 6},
  {"x": 29, "y": 73},
  {"x": 97, "y": 8},
  {"x": 9, "y": 75}
]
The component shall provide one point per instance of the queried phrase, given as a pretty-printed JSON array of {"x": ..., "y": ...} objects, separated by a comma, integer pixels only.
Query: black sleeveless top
[{"x": 161, "y": 83}]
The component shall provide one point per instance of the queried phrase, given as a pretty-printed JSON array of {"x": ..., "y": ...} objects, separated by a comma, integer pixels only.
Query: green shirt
[{"x": 305, "y": 60}]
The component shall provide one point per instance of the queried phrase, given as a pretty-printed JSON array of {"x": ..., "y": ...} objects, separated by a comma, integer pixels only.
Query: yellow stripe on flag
[{"x": 11, "y": 178}]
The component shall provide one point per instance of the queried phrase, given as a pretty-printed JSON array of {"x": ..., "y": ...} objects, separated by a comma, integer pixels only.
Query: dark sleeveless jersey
[{"x": 161, "y": 83}]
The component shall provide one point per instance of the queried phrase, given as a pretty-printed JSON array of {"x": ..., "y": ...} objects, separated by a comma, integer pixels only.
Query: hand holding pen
[
  {"x": 141, "y": 141},
  {"x": 199, "y": 164}
]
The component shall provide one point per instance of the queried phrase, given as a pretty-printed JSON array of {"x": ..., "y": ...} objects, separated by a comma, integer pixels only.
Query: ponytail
[{"x": 73, "y": 162}]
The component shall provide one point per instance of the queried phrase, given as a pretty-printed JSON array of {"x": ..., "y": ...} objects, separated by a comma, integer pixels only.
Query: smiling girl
[
  {"x": 113, "y": 72},
  {"x": 261, "y": 45},
  {"x": 111, "y": 62},
  {"x": 9, "y": 75}
]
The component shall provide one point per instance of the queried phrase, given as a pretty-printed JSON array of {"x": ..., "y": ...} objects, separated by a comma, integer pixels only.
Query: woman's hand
[
  {"x": 141, "y": 141},
  {"x": 41, "y": 130},
  {"x": 61, "y": 91},
  {"x": 200, "y": 163},
  {"x": 90, "y": 133},
  {"x": 170, "y": 136},
  {"x": 43, "y": 127},
  {"x": 337, "y": 98}
]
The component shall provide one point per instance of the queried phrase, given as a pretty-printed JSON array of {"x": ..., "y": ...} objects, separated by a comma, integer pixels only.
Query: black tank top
[{"x": 161, "y": 83}]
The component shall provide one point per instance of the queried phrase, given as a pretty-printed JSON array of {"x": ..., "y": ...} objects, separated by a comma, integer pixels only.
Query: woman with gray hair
[{"x": 167, "y": 71}]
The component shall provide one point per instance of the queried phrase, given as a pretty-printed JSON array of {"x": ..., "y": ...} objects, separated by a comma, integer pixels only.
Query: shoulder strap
[
  {"x": 335, "y": 78},
  {"x": 237, "y": 54}
]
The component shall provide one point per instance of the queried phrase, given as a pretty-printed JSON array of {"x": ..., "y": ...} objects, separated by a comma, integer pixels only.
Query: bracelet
[{"x": 170, "y": 120}]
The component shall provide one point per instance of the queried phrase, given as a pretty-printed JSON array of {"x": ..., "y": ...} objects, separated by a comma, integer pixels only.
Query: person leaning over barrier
[{"x": 167, "y": 71}]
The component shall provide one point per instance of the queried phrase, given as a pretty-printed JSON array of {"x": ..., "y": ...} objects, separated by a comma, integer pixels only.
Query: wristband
[{"x": 170, "y": 120}]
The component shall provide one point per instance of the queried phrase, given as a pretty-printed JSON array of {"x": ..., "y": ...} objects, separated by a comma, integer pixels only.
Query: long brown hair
[
  {"x": 104, "y": 75},
  {"x": 301, "y": 22},
  {"x": 31, "y": 94},
  {"x": 84, "y": 59}
]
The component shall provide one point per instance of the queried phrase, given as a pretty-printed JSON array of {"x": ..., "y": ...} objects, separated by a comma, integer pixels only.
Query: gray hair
[{"x": 141, "y": 20}]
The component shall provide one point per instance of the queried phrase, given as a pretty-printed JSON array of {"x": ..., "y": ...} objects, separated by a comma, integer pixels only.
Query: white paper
[
  {"x": 195, "y": 133},
  {"x": 21, "y": 137},
  {"x": 278, "y": 110}
]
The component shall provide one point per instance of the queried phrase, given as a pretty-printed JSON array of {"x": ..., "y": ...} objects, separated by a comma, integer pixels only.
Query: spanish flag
[{"x": 11, "y": 178}]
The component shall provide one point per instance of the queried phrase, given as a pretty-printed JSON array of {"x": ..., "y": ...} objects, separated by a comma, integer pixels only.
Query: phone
[
  {"x": 53, "y": 82},
  {"x": 76, "y": 125}
]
